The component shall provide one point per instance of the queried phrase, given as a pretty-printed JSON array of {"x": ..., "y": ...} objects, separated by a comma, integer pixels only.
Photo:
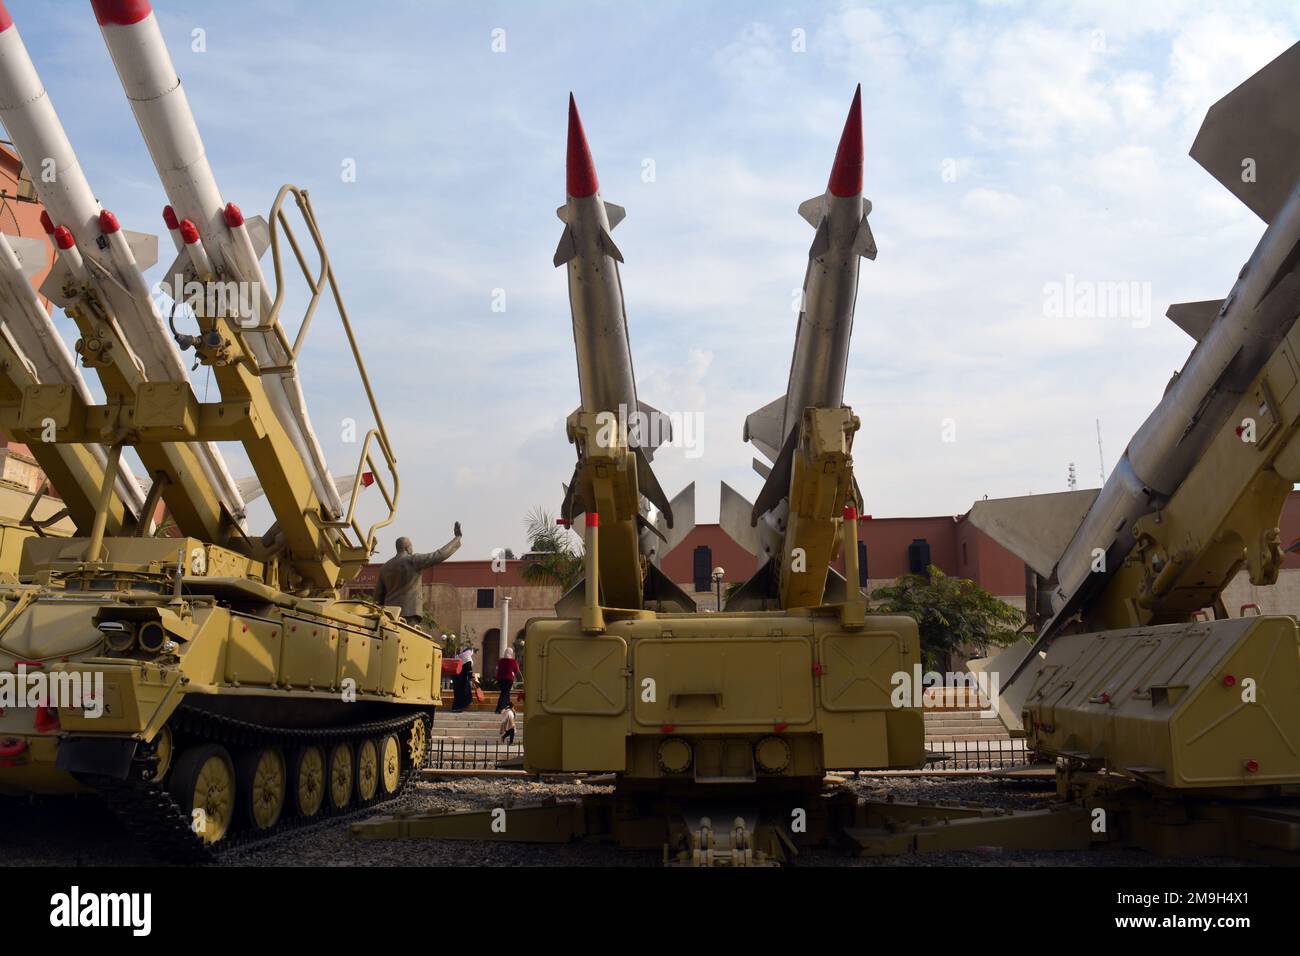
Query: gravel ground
[{"x": 81, "y": 831}]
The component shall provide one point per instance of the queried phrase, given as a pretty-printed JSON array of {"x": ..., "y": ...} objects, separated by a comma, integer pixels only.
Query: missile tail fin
[
  {"x": 1250, "y": 139},
  {"x": 660, "y": 428},
  {"x": 144, "y": 246},
  {"x": 607, "y": 244},
  {"x": 683, "y": 508},
  {"x": 733, "y": 516},
  {"x": 821, "y": 243},
  {"x": 32, "y": 253},
  {"x": 1035, "y": 528}
]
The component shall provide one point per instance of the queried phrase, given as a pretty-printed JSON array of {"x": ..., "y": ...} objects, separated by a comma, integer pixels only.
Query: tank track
[{"x": 157, "y": 822}]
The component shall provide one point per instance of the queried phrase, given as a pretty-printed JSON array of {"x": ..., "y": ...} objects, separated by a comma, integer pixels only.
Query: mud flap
[{"x": 100, "y": 756}]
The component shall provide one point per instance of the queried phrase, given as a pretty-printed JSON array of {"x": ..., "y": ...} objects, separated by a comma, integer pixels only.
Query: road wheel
[
  {"x": 307, "y": 781},
  {"x": 263, "y": 784},
  {"x": 390, "y": 765},
  {"x": 341, "y": 775},
  {"x": 367, "y": 771},
  {"x": 203, "y": 784}
]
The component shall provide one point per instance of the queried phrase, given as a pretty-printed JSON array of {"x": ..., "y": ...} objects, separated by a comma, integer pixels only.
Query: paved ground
[{"x": 80, "y": 831}]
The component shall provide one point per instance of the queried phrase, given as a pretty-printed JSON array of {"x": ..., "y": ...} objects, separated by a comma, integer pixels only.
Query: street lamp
[{"x": 717, "y": 584}]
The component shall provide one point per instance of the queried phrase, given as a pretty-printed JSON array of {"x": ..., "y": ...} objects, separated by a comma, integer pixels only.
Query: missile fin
[
  {"x": 777, "y": 485},
  {"x": 733, "y": 515},
  {"x": 649, "y": 486},
  {"x": 572, "y": 505},
  {"x": 864, "y": 244},
  {"x": 180, "y": 272},
  {"x": 144, "y": 246},
  {"x": 763, "y": 427},
  {"x": 33, "y": 254},
  {"x": 813, "y": 210},
  {"x": 683, "y": 519},
  {"x": 607, "y": 244},
  {"x": 52, "y": 287},
  {"x": 759, "y": 593},
  {"x": 615, "y": 213},
  {"x": 1195, "y": 318},
  {"x": 762, "y": 467},
  {"x": 661, "y": 428},
  {"x": 662, "y": 590},
  {"x": 821, "y": 242},
  {"x": 1035, "y": 528},
  {"x": 1255, "y": 130},
  {"x": 259, "y": 233},
  {"x": 568, "y": 247}
]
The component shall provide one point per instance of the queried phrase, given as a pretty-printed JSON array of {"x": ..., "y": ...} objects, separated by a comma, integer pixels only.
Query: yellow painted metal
[
  {"x": 607, "y": 486},
  {"x": 821, "y": 484},
  {"x": 723, "y": 683}
]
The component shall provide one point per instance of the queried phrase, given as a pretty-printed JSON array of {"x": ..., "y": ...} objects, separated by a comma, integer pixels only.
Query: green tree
[
  {"x": 950, "y": 613},
  {"x": 554, "y": 557}
]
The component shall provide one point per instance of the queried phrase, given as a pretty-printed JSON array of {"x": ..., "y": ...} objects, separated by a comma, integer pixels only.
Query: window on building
[
  {"x": 703, "y": 568},
  {"x": 487, "y": 597},
  {"x": 862, "y": 564},
  {"x": 918, "y": 556}
]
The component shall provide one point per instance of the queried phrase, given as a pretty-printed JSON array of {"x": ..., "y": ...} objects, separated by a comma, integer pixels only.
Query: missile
[
  {"x": 606, "y": 381},
  {"x": 162, "y": 111},
  {"x": 1235, "y": 336},
  {"x": 821, "y": 351}
]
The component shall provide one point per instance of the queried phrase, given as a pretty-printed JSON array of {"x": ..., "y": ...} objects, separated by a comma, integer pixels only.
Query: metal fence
[
  {"x": 977, "y": 754},
  {"x": 460, "y": 753}
]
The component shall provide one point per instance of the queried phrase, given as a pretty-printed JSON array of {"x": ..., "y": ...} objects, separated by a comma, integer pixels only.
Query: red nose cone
[
  {"x": 846, "y": 174},
  {"x": 120, "y": 12},
  {"x": 47, "y": 223},
  {"x": 581, "y": 171},
  {"x": 234, "y": 218},
  {"x": 6, "y": 21},
  {"x": 63, "y": 237},
  {"x": 169, "y": 217},
  {"x": 108, "y": 223},
  {"x": 189, "y": 232}
]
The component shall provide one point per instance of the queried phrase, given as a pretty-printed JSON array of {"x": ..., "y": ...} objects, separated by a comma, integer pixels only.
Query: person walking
[
  {"x": 463, "y": 685},
  {"x": 507, "y": 674},
  {"x": 508, "y": 724}
]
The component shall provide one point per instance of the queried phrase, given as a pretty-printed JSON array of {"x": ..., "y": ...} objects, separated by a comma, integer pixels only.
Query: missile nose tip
[
  {"x": 580, "y": 171},
  {"x": 120, "y": 12},
  {"x": 108, "y": 223},
  {"x": 6, "y": 21},
  {"x": 846, "y": 174}
]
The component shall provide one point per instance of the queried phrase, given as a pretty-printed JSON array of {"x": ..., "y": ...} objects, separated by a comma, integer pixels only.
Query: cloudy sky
[{"x": 1014, "y": 151}]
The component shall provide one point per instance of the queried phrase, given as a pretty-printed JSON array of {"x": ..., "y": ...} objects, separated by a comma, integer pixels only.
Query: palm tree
[{"x": 554, "y": 556}]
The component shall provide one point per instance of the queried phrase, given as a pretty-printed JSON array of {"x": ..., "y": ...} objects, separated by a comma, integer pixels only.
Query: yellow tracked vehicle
[{"x": 215, "y": 686}]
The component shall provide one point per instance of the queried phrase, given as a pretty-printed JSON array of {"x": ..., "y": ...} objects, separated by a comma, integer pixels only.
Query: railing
[
  {"x": 461, "y": 753},
  {"x": 318, "y": 281},
  {"x": 978, "y": 754}
]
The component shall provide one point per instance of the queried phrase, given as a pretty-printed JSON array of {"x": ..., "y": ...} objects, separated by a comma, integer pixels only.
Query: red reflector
[
  {"x": 169, "y": 217},
  {"x": 47, "y": 719},
  {"x": 780, "y": 728},
  {"x": 63, "y": 238},
  {"x": 1252, "y": 766},
  {"x": 12, "y": 746},
  {"x": 850, "y": 513},
  {"x": 562, "y": 522},
  {"x": 367, "y": 479},
  {"x": 1229, "y": 680},
  {"x": 234, "y": 218},
  {"x": 189, "y": 232},
  {"x": 593, "y": 519},
  {"x": 666, "y": 729},
  {"x": 29, "y": 663},
  {"x": 817, "y": 669},
  {"x": 108, "y": 223},
  {"x": 47, "y": 223}
]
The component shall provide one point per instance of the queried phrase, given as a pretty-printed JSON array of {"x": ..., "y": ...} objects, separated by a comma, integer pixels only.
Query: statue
[{"x": 399, "y": 578}]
